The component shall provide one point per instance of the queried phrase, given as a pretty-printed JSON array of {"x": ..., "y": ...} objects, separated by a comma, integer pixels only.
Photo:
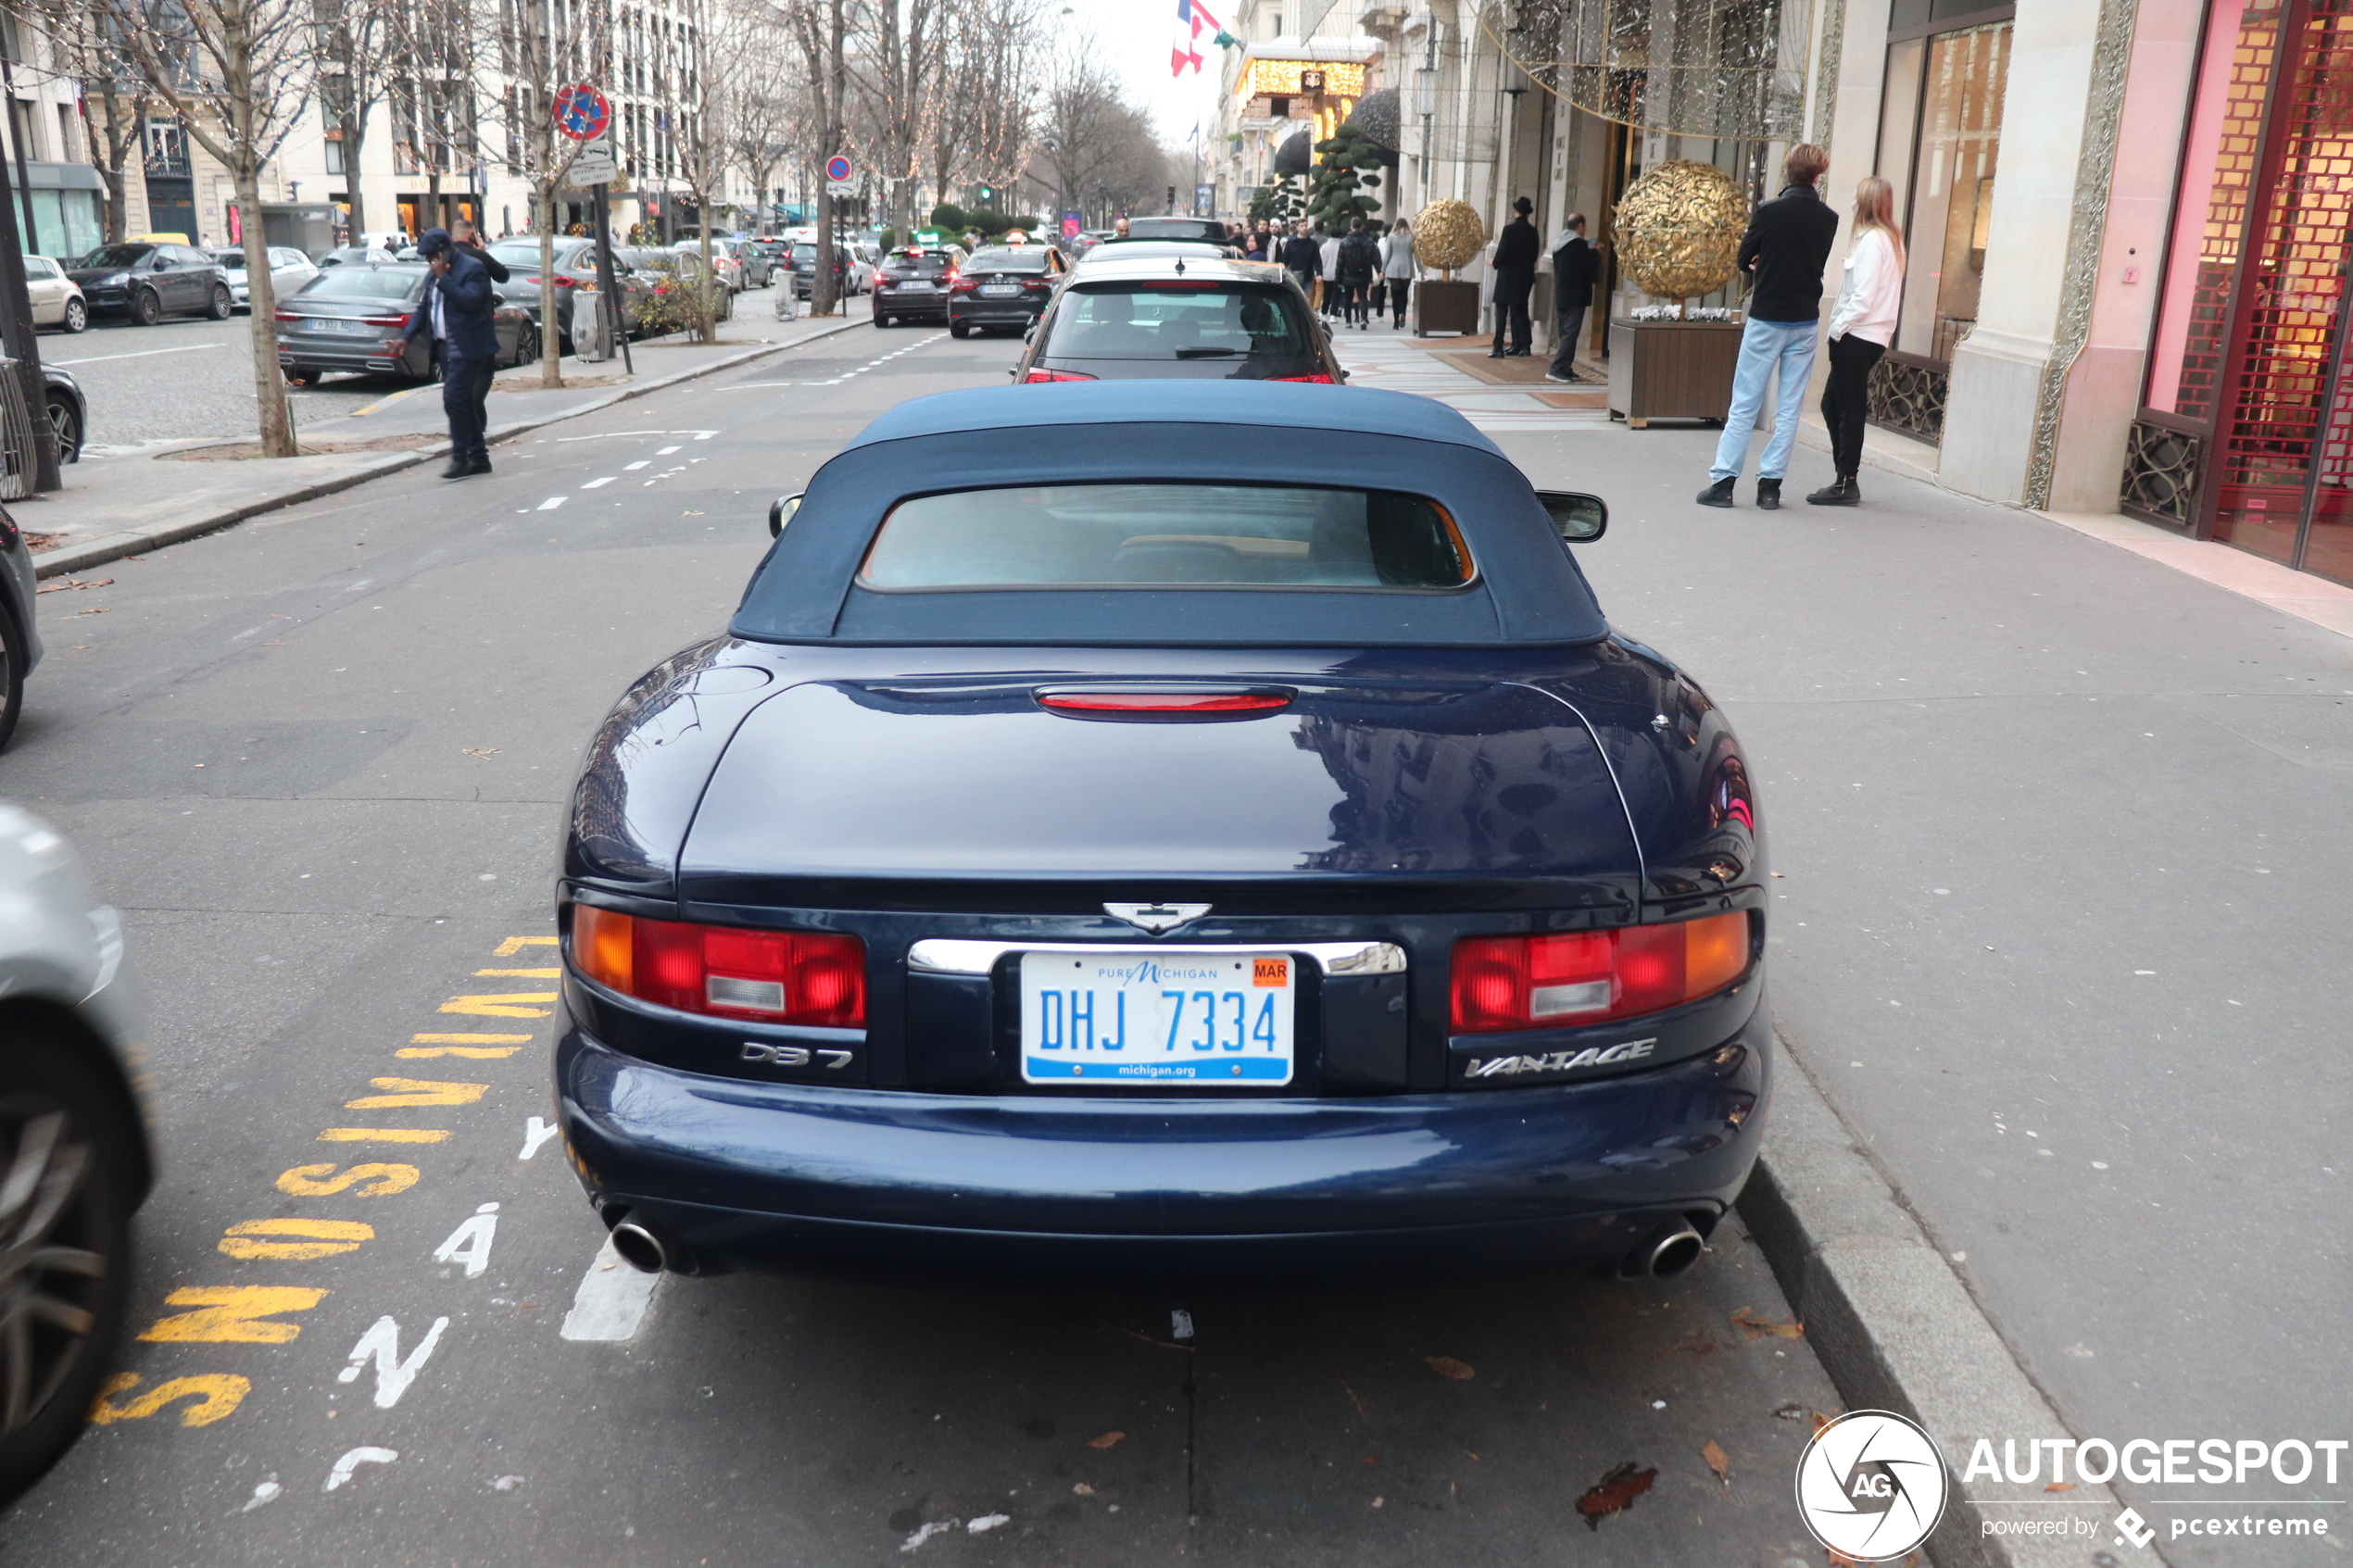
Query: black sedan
[
  {"x": 1172, "y": 826},
  {"x": 1003, "y": 286},
  {"x": 912, "y": 285},
  {"x": 352, "y": 319},
  {"x": 1197, "y": 317},
  {"x": 147, "y": 281}
]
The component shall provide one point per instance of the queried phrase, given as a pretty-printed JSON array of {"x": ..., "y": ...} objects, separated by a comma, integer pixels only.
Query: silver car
[{"x": 75, "y": 1161}]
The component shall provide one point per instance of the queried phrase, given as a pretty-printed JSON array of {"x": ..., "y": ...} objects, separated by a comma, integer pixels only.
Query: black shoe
[
  {"x": 459, "y": 468},
  {"x": 1719, "y": 494},
  {"x": 479, "y": 465},
  {"x": 1839, "y": 492},
  {"x": 1768, "y": 495}
]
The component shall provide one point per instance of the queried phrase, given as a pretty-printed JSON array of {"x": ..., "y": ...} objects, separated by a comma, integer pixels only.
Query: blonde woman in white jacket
[{"x": 1862, "y": 324}]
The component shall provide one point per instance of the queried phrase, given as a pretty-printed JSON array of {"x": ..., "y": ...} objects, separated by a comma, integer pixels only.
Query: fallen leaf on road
[
  {"x": 1614, "y": 1492},
  {"x": 1082, "y": 1490},
  {"x": 1821, "y": 1420},
  {"x": 483, "y": 753},
  {"x": 1753, "y": 1326},
  {"x": 1713, "y": 1453},
  {"x": 61, "y": 585},
  {"x": 1697, "y": 1344},
  {"x": 94, "y": 609},
  {"x": 1447, "y": 1366},
  {"x": 1363, "y": 1411},
  {"x": 1372, "y": 1459},
  {"x": 1146, "y": 1339},
  {"x": 2060, "y": 1486},
  {"x": 1108, "y": 1440}
]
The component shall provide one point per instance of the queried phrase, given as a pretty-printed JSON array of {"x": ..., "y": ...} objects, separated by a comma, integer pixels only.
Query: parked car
[
  {"x": 1003, "y": 286},
  {"x": 68, "y": 412},
  {"x": 364, "y": 256},
  {"x": 576, "y": 266},
  {"x": 73, "y": 1140},
  {"x": 1195, "y": 318},
  {"x": 912, "y": 284},
  {"x": 56, "y": 298},
  {"x": 19, "y": 631},
  {"x": 754, "y": 264},
  {"x": 352, "y": 319},
  {"x": 147, "y": 281},
  {"x": 289, "y": 270},
  {"x": 858, "y": 268},
  {"x": 1323, "y": 885},
  {"x": 660, "y": 271}
]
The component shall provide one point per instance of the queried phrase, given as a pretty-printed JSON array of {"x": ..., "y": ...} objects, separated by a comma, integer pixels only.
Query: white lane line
[
  {"x": 141, "y": 354},
  {"x": 551, "y": 503},
  {"x": 665, "y": 451},
  {"x": 594, "y": 482},
  {"x": 638, "y": 464},
  {"x": 611, "y": 1300}
]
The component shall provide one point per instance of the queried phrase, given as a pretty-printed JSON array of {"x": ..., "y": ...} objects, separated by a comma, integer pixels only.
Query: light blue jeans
[{"x": 1766, "y": 346}]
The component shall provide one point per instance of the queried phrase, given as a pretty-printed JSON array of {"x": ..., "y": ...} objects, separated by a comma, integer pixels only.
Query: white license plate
[
  {"x": 1000, "y": 291},
  {"x": 1124, "y": 1017},
  {"x": 335, "y": 324},
  {"x": 916, "y": 288}
]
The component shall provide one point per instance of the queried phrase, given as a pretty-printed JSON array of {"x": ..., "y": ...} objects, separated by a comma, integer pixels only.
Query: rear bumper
[
  {"x": 744, "y": 1173},
  {"x": 995, "y": 312}
]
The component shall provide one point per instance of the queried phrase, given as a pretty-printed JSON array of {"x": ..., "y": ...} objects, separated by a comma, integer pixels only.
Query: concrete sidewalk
[
  {"x": 124, "y": 503},
  {"x": 2056, "y": 807}
]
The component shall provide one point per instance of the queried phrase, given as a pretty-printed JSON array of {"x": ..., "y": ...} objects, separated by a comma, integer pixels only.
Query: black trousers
[
  {"x": 1399, "y": 288},
  {"x": 1511, "y": 307},
  {"x": 1845, "y": 398},
  {"x": 464, "y": 384},
  {"x": 1352, "y": 307},
  {"x": 1570, "y": 327}
]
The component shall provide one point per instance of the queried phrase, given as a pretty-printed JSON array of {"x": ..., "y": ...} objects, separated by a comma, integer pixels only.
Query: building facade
[{"x": 2128, "y": 222}]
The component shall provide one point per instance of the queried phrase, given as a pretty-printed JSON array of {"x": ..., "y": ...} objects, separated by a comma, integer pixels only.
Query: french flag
[{"x": 1192, "y": 17}]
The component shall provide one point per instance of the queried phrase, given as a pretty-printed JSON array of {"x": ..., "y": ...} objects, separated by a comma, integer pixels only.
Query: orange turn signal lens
[{"x": 1503, "y": 983}]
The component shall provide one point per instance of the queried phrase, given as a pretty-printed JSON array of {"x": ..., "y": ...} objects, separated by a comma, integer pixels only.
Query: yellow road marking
[
  {"x": 514, "y": 945},
  {"x": 221, "y": 1393},
  {"x": 383, "y": 1134},
  {"x": 472, "y": 1039},
  {"x": 522, "y": 973},
  {"x": 324, "y": 1239},
  {"x": 416, "y": 1091},
  {"x": 501, "y": 1005},
  {"x": 232, "y": 1315},
  {"x": 487, "y": 1053},
  {"x": 321, "y": 1181}
]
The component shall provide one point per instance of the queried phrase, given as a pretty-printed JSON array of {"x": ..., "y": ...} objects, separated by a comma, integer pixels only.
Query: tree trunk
[
  {"x": 269, "y": 382},
  {"x": 713, "y": 289},
  {"x": 355, "y": 135},
  {"x": 551, "y": 347},
  {"x": 120, "y": 124}
]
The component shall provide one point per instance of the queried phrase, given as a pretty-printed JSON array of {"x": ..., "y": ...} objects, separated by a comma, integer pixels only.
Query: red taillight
[
  {"x": 727, "y": 971},
  {"x": 385, "y": 320},
  {"x": 1165, "y": 702},
  {"x": 1037, "y": 375},
  {"x": 1591, "y": 976},
  {"x": 1321, "y": 380},
  {"x": 285, "y": 315},
  {"x": 1037, "y": 283}
]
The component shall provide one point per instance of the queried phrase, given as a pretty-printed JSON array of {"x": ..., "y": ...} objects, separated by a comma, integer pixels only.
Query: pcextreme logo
[{"x": 1871, "y": 1485}]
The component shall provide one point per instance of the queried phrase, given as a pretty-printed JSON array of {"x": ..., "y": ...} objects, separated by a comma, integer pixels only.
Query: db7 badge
[{"x": 795, "y": 1055}]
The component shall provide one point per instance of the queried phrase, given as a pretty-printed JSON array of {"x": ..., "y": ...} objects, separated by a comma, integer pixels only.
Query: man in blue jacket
[{"x": 457, "y": 310}]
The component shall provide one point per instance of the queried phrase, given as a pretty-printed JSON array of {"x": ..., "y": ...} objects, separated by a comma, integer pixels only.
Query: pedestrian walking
[
  {"x": 1862, "y": 324},
  {"x": 1302, "y": 255},
  {"x": 1359, "y": 264},
  {"x": 1398, "y": 268},
  {"x": 457, "y": 310},
  {"x": 1327, "y": 269},
  {"x": 1574, "y": 268},
  {"x": 1514, "y": 266},
  {"x": 464, "y": 235},
  {"x": 1787, "y": 244}
]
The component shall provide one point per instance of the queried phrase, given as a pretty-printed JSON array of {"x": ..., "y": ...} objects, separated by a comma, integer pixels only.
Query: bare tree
[
  {"x": 820, "y": 29},
  {"x": 115, "y": 98},
  {"x": 756, "y": 102},
  {"x": 1099, "y": 144},
  {"x": 357, "y": 39},
  {"x": 235, "y": 73},
  {"x": 903, "y": 57},
  {"x": 541, "y": 51},
  {"x": 431, "y": 86}
]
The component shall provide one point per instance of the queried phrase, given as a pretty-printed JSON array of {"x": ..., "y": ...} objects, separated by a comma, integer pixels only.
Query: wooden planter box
[
  {"x": 1441, "y": 305},
  {"x": 1671, "y": 370}
]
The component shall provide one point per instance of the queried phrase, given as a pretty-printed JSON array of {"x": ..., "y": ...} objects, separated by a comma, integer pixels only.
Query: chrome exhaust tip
[
  {"x": 1673, "y": 1253},
  {"x": 640, "y": 1249}
]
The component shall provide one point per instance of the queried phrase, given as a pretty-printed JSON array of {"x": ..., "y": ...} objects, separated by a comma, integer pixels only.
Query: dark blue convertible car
[{"x": 1150, "y": 824}]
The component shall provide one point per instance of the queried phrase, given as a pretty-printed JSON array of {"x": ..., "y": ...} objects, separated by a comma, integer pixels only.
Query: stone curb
[
  {"x": 107, "y": 547},
  {"x": 1897, "y": 1330}
]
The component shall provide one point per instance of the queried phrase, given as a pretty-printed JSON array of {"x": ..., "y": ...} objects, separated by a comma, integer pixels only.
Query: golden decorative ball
[
  {"x": 1447, "y": 234},
  {"x": 1677, "y": 230}
]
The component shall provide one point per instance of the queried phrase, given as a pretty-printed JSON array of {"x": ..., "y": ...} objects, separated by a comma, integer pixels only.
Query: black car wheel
[
  {"x": 65, "y": 421},
  {"x": 222, "y": 306},
  {"x": 67, "y": 1159},
  {"x": 527, "y": 343},
  {"x": 12, "y": 661},
  {"x": 147, "y": 307},
  {"x": 958, "y": 328},
  {"x": 883, "y": 320},
  {"x": 77, "y": 315}
]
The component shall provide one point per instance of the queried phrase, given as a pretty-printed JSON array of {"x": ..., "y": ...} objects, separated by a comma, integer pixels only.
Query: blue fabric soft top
[{"x": 1528, "y": 588}]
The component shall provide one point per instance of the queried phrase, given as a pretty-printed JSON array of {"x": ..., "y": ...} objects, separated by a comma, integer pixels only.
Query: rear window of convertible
[{"x": 1167, "y": 535}]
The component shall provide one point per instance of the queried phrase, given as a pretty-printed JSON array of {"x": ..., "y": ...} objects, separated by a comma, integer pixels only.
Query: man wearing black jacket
[
  {"x": 1574, "y": 268},
  {"x": 1787, "y": 245},
  {"x": 463, "y": 235},
  {"x": 1516, "y": 253},
  {"x": 1303, "y": 258}
]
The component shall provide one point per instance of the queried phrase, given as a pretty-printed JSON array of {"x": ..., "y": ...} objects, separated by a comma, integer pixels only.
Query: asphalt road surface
[{"x": 320, "y": 761}]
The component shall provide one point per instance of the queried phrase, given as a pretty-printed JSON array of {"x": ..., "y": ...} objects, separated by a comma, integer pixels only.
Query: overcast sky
[{"x": 1135, "y": 36}]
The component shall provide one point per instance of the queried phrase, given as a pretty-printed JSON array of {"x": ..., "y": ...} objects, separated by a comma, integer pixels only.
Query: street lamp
[{"x": 1426, "y": 91}]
